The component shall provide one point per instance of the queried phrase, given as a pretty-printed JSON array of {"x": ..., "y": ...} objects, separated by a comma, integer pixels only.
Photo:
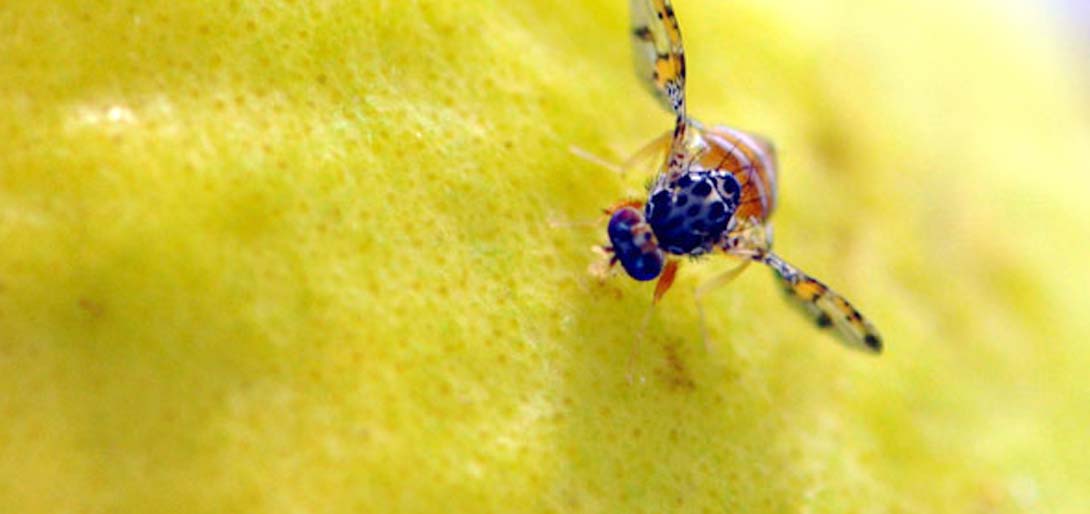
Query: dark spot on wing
[{"x": 873, "y": 341}]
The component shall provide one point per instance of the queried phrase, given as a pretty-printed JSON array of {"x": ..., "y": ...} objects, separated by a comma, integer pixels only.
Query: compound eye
[
  {"x": 644, "y": 266},
  {"x": 633, "y": 245}
]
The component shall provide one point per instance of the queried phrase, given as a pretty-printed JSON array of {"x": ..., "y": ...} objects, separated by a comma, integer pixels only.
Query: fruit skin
[{"x": 294, "y": 257}]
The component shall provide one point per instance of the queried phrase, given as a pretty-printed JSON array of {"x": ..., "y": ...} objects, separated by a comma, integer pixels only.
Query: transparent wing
[
  {"x": 825, "y": 307},
  {"x": 658, "y": 53}
]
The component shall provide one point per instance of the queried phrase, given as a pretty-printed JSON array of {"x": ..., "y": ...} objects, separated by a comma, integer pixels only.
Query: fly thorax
[{"x": 690, "y": 214}]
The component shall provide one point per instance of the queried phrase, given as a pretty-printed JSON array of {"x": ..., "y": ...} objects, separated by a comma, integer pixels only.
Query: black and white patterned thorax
[{"x": 690, "y": 214}]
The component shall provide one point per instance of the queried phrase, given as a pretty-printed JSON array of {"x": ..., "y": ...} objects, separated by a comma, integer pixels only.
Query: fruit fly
[{"x": 713, "y": 194}]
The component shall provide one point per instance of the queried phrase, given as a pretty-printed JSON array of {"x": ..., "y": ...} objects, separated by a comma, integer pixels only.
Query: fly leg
[
  {"x": 712, "y": 284},
  {"x": 656, "y": 146},
  {"x": 663, "y": 285}
]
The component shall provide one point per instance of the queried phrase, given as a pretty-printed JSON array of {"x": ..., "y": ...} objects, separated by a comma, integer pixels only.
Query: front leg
[{"x": 666, "y": 279}]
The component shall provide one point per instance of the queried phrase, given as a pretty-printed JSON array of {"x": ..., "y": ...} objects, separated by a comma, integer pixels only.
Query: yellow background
[{"x": 295, "y": 256}]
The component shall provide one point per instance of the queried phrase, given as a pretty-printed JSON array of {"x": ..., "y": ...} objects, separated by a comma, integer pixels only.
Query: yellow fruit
[{"x": 296, "y": 257}]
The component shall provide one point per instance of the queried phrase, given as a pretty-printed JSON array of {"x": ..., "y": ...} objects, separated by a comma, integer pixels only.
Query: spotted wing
[
  {"x": 826, "y": 307},
  {"x": 658, "y": 53}
]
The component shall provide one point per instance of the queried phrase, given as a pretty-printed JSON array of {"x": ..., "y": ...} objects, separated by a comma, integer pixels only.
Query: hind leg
[{"x": 707, "y": 287}]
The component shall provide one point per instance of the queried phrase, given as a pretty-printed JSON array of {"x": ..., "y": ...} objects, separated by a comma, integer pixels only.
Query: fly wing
[
  {"x": 658, "y": 53},
  {"x": 827, "y": 308}
]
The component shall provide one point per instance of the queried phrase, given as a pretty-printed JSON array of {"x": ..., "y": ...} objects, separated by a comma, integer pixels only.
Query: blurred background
[{"x": 1072, "y": 19}]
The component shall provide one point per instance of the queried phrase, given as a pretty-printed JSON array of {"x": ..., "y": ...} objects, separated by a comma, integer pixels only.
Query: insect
[{"x": 713, "y": 194}]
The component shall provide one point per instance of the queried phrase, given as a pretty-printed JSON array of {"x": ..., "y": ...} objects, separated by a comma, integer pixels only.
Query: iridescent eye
[
  {"x": 633, "y": 246},
  {"x": 644, "y": 266}
]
